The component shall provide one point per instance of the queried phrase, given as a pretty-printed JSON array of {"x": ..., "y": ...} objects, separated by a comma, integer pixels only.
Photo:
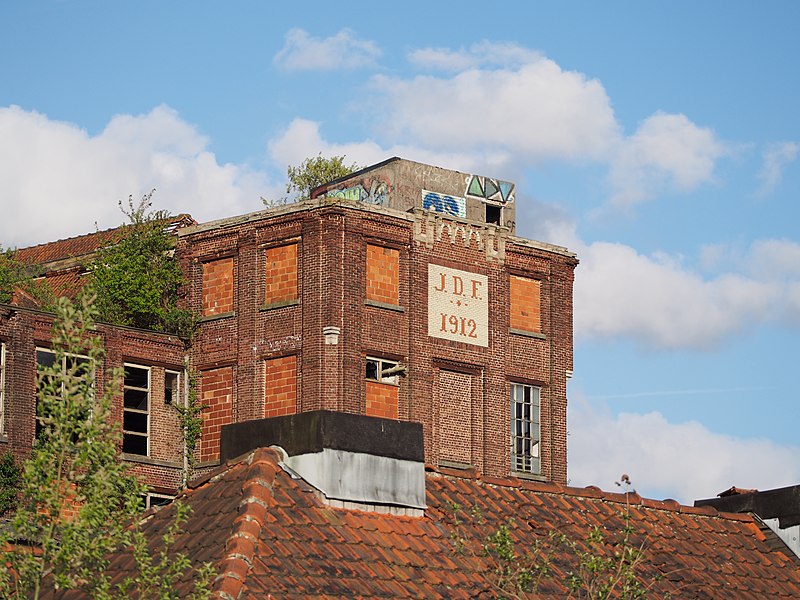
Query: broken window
[
  {"x": 525, "y": 428},
  {"x": 136, "y": 410},
  {"x": 172, "y": 388},
  {"x": 494, "y": 214},
  {"x": 382, "y": 370},
  {"x": 72, "y": 365}
]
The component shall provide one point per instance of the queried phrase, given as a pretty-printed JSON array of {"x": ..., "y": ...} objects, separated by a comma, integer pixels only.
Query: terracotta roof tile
[{"x": 302, "y": 547}]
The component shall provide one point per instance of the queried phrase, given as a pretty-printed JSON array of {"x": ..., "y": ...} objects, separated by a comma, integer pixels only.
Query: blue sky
[{"x": 659, "y": 141}]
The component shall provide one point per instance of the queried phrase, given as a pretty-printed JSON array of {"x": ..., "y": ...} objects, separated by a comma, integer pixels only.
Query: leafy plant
[
  {"x": 311, "y": 173},
  {"x": 138, "y": 280},
  {"x": 191, "y": 423},
  {"x": 10, "y": 480},
  {"x": 18, "y": 278},
  {"x": 78, "y": 501}
]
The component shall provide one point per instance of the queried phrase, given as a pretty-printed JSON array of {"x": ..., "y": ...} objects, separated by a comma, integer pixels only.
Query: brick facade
[
  {"x": 216, "y": 395},
  {"x": 381, "y": 400},
  {"x": 280, "y": 386},
  {"x": 383, "y": 274},
  {"x": 280, "y": 274},
  {"x": 218, "y": 287},
  {"x": 294, "y": 299}
]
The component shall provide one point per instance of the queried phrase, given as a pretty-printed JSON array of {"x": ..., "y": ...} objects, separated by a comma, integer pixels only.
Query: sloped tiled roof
[
  {"x": 270, "y": 535},
  {"x": 83, "y": 245},
  {"x": 62, "y": 263}
]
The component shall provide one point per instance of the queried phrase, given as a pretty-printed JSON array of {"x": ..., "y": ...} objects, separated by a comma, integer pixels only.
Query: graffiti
[
  {"x": 290, "y": 342},
  {"x": 443, "y": 203},
  {"x": 369, "y": 191},
  {"x": 485, "y": 188}
]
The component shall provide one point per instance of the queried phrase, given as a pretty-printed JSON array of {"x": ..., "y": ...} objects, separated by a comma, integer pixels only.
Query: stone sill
[
  {"x": 530, "y": 334},
  {"x": 526, "y": 475},
  {"x": 281, "y": 304},
  {"x": 452, "y": 464},
  {"x": 385, "y": 305},
  {"x": 225, "y": 315},
  {"x": 147, "y": 460}
]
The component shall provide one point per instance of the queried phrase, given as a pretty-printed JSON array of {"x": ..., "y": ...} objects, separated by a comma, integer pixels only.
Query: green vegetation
[
  {"x": 138, "y": 280},
  {"x": 16, "y": 277},
  {"x": 191, "y": 424},
  {"x": 598, "y": 566},
  {"x": 10, "y": 479},
  {"x": 78, "y": 502},
  {"x": 311, "y": 173}
]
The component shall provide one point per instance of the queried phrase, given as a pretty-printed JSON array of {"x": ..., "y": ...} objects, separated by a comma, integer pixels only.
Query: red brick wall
[
  {"x": 280, "y": 385},
  {"x": 216, "y": 394},
  {"x": 218, "y": 287},
  {"x": 525, "y": 304},
  {"x": 280, "y": 274},
  {"x": 381, "y": 400},
  {"x": 455, "y": 416},
  {"x": 383, "y": 274}
]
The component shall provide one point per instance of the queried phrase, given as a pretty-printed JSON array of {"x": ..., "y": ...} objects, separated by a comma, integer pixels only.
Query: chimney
[{"x": 354, "y": 461}]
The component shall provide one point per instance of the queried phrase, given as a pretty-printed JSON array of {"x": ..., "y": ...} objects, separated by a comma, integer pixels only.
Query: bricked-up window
[
  {"x": 172, "y": 388},
  {"x": 382, "y": 389},
  {"x": 455, "y": 398},
  {"x": 218, "y": 287},
  {"x": 281, "y": 274},
  {"x": 525, "y": 304},
  {"x": 80, "y": 366},
  {"x": 383, "y": 274},
  {"x": 216, "y": 393},
  {"x": 136, "y": 410},
  {"x": 524, "y": 428},
  {"x": 2, "y": 388},
  {"x": 280, "y": 386}
]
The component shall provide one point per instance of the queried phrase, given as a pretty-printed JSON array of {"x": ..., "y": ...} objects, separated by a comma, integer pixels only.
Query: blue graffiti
[{"x": 444, "y": 203}]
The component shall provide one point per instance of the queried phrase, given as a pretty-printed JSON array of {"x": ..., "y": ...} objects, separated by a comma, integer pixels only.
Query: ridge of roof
[
  {"x": 242, "y": 542},
  {"x": 589, "y": 492}
]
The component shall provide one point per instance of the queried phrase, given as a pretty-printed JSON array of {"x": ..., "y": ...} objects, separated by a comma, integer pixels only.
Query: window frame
[
  {"x": 525, "y": 428},
  {"x": 382, "y": 364},
  {"x": 67, "y": 356},
  {"x": 126, "y": 409},
  {"x": 175, "y": 398}
]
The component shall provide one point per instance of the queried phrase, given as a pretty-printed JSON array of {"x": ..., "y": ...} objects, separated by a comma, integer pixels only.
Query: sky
[{"x": 659, "y": 141}]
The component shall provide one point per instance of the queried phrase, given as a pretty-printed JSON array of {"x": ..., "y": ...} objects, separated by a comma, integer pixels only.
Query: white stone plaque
[{"x": 458, "y": 305}]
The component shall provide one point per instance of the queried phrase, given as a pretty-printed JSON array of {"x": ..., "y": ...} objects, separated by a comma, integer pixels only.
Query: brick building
[{"x": 400, "y": 291}]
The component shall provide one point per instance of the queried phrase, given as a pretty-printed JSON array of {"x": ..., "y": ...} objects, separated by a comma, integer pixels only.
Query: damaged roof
[{"x": 270, "y": 534}]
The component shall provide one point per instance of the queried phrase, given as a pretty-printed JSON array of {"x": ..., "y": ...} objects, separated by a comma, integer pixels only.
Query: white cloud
[
  {"x": 775, "y": 157},
  {"x": 667, "y": 152},
  {"x": 684, "y": 461},
  {"x": 343, "y": 50},
  {"x": 58, "y": 180},
  {"x": 302, "y": 138},
  {"x": 537, "y": 111},
  {"x": 502, "y": 54},
  {"x": 659, "y": 303}
]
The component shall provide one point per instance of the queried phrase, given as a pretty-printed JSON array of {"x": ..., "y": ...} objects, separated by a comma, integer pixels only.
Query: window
[
  {"x": 383, "y": 275},
  {"x": 136, "y": 410},
  {"x": 2, "y": 388},
  {"x": 152, "y": 499},
  {"x": 280, "y": 274},
  {"x": 218, "y": 282},
  {"x": 73, "y": 365},
  {"x": 172, "y": 388},
  {"x": 382, "y": 370},
  {"x": 525, "y": 304},
  {"x": 524, "y": 428}
]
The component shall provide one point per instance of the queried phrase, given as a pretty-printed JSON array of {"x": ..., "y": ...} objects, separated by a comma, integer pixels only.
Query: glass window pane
[
  {"x": 136, "y": 377},
  {"x": 134, "y": 444},
  {"x": 136, "y": 399},
  {"x": 45, "y": 358},
  {"x": 132, "y": 421}
]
